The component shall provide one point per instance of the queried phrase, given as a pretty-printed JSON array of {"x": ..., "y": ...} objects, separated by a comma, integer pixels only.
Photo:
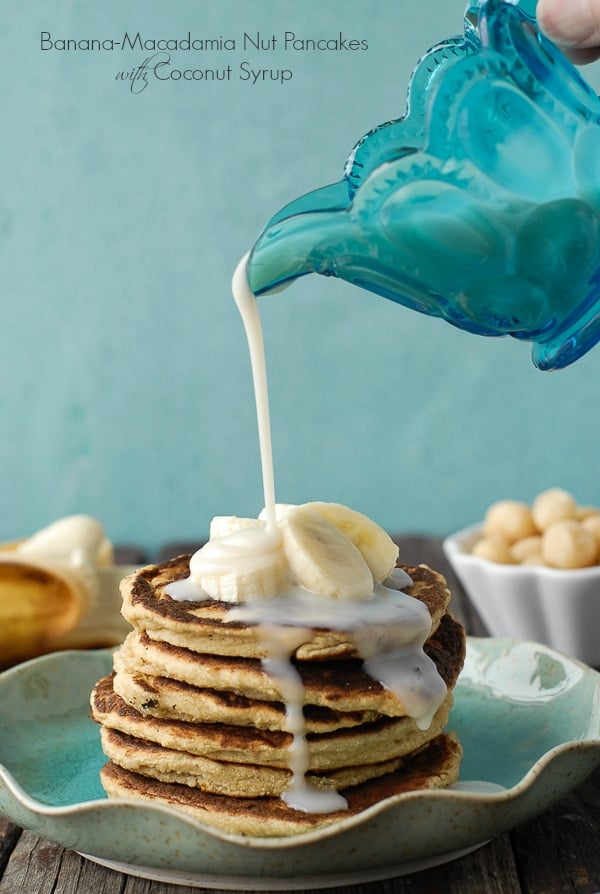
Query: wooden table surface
[{"x": 556, "y": 853}]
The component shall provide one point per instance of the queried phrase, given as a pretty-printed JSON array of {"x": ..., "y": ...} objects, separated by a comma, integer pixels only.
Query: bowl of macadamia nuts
[{"x": 532, "y": 571}]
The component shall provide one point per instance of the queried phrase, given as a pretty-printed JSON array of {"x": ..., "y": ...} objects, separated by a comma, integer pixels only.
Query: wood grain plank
[
  {"x": 144, "y": 886},
  {"x": 78, "y": 875},
  {"x": 9, "y": 835},
  {"x": 45, "y": 868},
  {"x": 559, "y": 852},
  {"x": 419, "y": 548},
  {"x": 37, "y": 866},
  {"x": 129, "y": 555},
  {"x": 33, "y": 866},
  {"x": 488, "y": 870}
]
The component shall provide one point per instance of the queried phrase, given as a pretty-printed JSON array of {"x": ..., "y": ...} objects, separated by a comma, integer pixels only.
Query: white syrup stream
[
  {"x": 248, "y": 308},
  {"x": 280, "y": 642},
  {"x": 389, "y": 629}
]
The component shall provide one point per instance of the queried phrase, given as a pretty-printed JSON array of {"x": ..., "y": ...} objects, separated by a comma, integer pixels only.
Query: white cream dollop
[{"x": 248, "y": 563}]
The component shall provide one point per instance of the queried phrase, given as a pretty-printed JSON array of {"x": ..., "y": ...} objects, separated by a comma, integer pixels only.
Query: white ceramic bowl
[{"x": 546, "y": 605}]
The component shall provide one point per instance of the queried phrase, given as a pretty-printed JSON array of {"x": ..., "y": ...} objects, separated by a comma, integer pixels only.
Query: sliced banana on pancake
[
  {"x": 374, "y": 544},
  {"x": 329, "y": 548},
  {"x": 322, "y": 558}
]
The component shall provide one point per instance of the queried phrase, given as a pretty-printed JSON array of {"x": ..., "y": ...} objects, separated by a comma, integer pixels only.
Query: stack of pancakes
[{"x": 191, "y": 718}]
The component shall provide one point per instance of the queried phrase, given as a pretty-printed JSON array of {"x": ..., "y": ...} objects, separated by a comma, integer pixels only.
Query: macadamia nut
[
  {"x": 592, "y": 523},
  {"x": 495, "y": 549},
  {"x": 555, "y": 531},
  {"x": 527, "y": 547},
  {"x": 534, "y": 559},
  {"x": 510, "y": 520},
  {"x": 552, "y": 506},
  {"x": 567, "y": 544}
]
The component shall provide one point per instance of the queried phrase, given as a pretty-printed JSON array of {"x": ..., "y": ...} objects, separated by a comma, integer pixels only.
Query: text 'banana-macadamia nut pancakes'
[{"x": 288, "y": 674}]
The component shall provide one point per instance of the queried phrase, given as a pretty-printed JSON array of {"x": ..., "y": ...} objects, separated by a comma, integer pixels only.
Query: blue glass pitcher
[{"x": 481, "y": 205}]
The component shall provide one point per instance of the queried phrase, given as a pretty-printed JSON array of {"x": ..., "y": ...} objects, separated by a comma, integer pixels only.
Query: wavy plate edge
[{"x": 547, "y": 780}]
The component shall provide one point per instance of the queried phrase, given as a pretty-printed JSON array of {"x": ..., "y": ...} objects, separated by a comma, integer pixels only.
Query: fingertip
[{"x": 570, "y": 23}]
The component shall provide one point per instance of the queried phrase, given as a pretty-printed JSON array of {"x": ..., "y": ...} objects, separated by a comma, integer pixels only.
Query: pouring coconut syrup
[{"x": 388, "y": 626}]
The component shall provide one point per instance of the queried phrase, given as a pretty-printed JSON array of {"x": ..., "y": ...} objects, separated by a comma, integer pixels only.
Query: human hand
[{"x": 573, "y": 25}]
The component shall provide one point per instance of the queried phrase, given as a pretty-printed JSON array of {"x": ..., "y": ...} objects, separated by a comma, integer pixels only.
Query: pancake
[
  {"x": 382, "y": 740},
  {"x": 338, "y": 685},
  {"x": 173, "y": 699},
  {"x": 220, "y": 777},
  {"x": 204, "y": 626},
  {"x": 435, "y": 766},
  {"x": 194, "y": 714}
]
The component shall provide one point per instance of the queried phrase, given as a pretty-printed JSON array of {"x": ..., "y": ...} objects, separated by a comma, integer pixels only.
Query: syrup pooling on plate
[{"x": 294, "y": 570}]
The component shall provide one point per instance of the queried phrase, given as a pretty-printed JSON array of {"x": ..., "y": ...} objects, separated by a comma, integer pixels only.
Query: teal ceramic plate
[{"x": 528, "y": 718}]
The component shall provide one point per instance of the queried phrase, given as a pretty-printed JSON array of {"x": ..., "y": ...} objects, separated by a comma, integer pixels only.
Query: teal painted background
[{"x": 124, "y": 375}]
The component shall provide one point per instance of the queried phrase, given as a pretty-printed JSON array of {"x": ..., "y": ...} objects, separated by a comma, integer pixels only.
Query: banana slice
[
  {"x": 322, "y": 558},
  {"x": 374, "y": 544},
  {"x": 247, "y": 564}
]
